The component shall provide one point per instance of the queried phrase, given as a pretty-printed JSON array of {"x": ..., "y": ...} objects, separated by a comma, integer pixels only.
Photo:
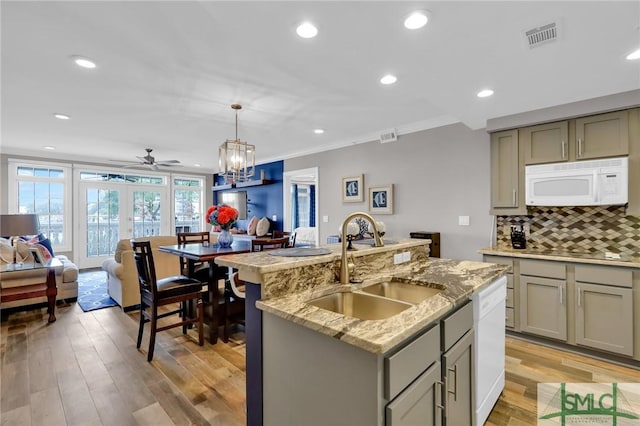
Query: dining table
[{"x": 207, "y": 252}]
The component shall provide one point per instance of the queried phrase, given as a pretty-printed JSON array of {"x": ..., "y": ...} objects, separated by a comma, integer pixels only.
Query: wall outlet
[
  {"x": 406, "y": 256},
  {"x": 397, "y": 258},
  {"x": 463, "y": 220}
]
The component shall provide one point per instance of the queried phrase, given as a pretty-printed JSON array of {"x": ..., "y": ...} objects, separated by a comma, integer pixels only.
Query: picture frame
[
  {"x": 353, "y": 189},
  {"x": 381, "y": 199}
]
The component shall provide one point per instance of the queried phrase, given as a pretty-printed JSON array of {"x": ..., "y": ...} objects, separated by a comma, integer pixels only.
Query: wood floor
[{"x": 85, "y": 370}]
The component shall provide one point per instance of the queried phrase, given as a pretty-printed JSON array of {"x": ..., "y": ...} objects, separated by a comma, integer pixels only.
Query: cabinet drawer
[
  {"x": 542, "y": 268},
  {"x": 608, "y": 275},
  {"x": 507, "y": 261},
  {"x": 509, "y": 280},
  {"x": 456, "y": 325},
  {"x": 509, "y": 318},
  {"x": 404, "y": 366},
  {"x": 509, "y": 298},
  {"x": 418, "y": 404}
]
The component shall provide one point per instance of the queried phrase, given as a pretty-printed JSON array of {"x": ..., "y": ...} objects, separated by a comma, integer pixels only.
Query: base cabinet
[
  {"x": 313, "y": 379},
  {"x": 457, "y": 370},
  {"x": 543, "y": 307},
  {"x": 585, "y": 305},
  {"x": 420, "y": 403}
]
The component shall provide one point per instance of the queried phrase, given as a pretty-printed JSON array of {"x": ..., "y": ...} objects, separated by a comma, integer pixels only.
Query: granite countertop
[
  {"x": 564, "y": 256},
  {"x": 461, "y": 278},
  {"x": 263, "y": 262}
]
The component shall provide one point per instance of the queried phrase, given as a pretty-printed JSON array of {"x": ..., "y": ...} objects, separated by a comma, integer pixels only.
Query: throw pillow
[
  {"x": 41, "y": 239},
  {"x": 263, "y": 227},
  {"x": 6, "y": 251},
  {"x": 253, "y": 224}
]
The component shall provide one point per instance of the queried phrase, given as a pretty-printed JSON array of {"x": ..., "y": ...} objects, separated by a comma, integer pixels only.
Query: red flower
[{"x": 224, "y": 216}]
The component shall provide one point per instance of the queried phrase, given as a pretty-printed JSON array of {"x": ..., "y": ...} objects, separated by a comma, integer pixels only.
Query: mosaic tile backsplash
[{"x": 578, "y": 229}]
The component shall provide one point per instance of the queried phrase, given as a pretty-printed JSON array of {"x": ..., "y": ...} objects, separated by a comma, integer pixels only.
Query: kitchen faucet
[{"x": 344, "y": 266}]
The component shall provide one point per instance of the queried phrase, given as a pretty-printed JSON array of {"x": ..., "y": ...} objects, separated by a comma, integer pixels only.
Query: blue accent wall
[{"x": 263, "y": 200}]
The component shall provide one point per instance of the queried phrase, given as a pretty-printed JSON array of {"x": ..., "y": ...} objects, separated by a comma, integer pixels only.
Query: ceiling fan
[{"x": 150, "y": 161}]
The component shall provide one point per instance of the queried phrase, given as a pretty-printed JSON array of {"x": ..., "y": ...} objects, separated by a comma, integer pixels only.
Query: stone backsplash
[{"x": 579, "y": 229}]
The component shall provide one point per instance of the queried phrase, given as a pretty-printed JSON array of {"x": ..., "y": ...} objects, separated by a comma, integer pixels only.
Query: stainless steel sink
[
  {"x": 404, "y": 291},
  {"x": 360, "y": 305}
]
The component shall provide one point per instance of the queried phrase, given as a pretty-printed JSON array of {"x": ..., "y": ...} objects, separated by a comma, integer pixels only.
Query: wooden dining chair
[
  {"x": 234, "y": 299},
  {"x": 155, "y": 293},
  {"x": 261, "y": 244},
  {"x": 194, "y": 237}
]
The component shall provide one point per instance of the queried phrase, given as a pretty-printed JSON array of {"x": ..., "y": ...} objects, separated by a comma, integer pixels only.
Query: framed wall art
[
  {"x": 381, "y": 199},
  {"x": 353, "y": 189}
]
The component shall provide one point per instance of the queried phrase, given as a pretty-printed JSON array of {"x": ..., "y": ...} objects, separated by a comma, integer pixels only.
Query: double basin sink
[{"x": 378, "y": 301}]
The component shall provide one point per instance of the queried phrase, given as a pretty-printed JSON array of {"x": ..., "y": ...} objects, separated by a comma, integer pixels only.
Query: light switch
[
  {"x": 274, "y": 218},
  {"x": 463, "y": 220},
  {"x": 325, "y": 219}
]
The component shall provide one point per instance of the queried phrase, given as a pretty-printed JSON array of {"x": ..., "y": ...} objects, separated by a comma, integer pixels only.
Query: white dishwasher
[{"x": 489, "y": 357}]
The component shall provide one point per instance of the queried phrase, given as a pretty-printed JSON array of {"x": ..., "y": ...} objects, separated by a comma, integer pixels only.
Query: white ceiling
[{"x": 168, "y": 71}]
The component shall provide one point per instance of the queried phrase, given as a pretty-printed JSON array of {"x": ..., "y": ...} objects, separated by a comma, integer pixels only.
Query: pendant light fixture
[{"x": 236, "y": 159}]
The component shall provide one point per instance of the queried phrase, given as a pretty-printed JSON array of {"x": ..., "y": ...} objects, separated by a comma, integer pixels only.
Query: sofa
[
  {"x": 122, "y": 275},
  {"x": 66, "y": 275}
]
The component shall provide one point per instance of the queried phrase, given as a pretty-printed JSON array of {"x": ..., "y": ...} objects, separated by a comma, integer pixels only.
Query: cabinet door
[
  {"x": 604, "y": 317},
  {"x": 604, "y": 135},
  {"x": 543, "y": 307},
  {"x": 505, "y": 177},
  {"x": 459, "y": 382},
  {"x": 546, "y": 143},
  {"x": 420, "y": 403}
]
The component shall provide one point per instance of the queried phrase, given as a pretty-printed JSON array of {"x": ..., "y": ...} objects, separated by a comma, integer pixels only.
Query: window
[
  {"x": 43, "y": 189},
  {"x": 188, "y": 203}
]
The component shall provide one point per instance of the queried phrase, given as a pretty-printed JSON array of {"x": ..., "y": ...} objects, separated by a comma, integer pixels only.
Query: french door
[{"x": 110, "y": 211}]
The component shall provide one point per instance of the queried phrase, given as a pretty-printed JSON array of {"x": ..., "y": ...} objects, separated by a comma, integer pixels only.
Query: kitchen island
[{"x": 281, "y": 287}]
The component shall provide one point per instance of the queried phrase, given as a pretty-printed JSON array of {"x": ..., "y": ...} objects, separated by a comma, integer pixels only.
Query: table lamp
[{"x": 15, "y": 225}]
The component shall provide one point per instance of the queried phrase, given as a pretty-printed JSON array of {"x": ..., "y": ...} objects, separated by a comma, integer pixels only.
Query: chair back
[
  {"x": 191, "y": 237},
  {"x": 143, "y": 258},
  {"x": 260, "y": 244},
  {"x": 291, "y": 235}
]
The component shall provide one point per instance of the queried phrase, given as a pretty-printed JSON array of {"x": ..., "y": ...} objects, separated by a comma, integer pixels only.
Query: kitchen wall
[
  {"x": 438, "y": 175},
  {"x": 579, "y": 229}
]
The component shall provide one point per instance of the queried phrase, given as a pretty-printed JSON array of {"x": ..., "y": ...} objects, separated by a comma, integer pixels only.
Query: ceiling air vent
[
  {"x": 388, "y": 136},
  {"x": 542, "y": 35}
]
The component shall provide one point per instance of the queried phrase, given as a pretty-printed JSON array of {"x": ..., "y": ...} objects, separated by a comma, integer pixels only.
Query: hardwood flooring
[{"x": 84, "y": 369}]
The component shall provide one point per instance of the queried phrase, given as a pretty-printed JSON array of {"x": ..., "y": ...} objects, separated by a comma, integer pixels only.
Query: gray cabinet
[
  {"x": 420, "y": 403},
  {"x": 507, "y": 174},
  {"x": 546, "y": 143},
  {"x": 603, "y": 135},
  {"x": 604, "y": 308},
  {"x": 457, "y": 366},
  {"x": 543, "y": 307}
]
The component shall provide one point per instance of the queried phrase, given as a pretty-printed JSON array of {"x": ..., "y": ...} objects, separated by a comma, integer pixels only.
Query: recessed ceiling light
[
  {"x": 634, "y": 55},
  {"x": 307, "y": 30},
  {"x": 50, "y": 148},
  {"x": 84, "y": 62},
  {"x": 61, "y": 116},
  {"x": 417, "y": 19},
  {"x": 318, "y": 131},
  {"x": 196, "y": 165},
  {"x": 485, "y": 93},
  {"x": 388, "y": 79}
]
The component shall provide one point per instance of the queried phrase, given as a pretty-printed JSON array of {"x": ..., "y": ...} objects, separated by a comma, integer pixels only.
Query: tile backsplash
[{"x": 579, "y": 229}]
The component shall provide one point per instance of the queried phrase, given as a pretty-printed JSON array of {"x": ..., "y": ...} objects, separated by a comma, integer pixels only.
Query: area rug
[{"x": 92, "y": 291}]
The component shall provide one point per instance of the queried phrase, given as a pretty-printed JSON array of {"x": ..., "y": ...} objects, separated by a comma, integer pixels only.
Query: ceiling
[{"x": 167, "y": 72}]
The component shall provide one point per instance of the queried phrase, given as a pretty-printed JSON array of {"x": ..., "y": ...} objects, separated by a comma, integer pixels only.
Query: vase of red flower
[{"x": 224, "y": 217}]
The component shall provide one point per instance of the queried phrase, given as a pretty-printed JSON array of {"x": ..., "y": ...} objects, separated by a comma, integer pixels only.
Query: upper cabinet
[
  {"x": 546, "y": 143},
  {"x": 507, "y": 178},
  {"x": 596, "y": 136},
  {"x": 604, "y": 135}
]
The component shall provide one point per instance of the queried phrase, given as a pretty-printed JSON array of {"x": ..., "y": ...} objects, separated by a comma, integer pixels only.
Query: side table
[{"x": 47, "y": 288}]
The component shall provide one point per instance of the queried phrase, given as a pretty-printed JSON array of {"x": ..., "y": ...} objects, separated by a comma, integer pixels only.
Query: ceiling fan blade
[
  {"x": 128, "y": 166},
  {"x": 126, "y": 161},
  {"x": 168, "y": 162}
]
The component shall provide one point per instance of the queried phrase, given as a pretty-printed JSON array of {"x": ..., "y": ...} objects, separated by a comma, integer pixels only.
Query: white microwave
[{"x": 578, "y": 183}]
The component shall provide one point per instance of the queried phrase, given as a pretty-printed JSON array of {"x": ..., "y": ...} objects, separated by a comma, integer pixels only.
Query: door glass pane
[
  {"x": 187, "y": 210},
  {"x": 146, "y": 213},
  {"x": 103, "y": 221}
]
